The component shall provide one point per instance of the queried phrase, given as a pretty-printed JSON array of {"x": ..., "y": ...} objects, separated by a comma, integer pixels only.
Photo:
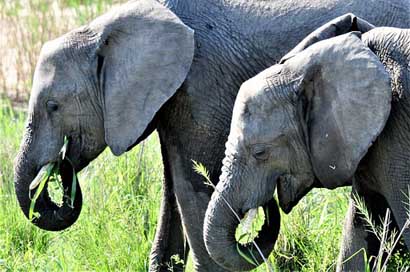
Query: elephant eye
[
  {"x": 51, "y": 106},
  {"x": 260, "y": 153}
]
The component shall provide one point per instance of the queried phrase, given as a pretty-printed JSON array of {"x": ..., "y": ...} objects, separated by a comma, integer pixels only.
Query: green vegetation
[
  {"x": 121, "y": 194},
  {"x": 121, "y": 204},
  {"x": 26, "y": 25},
  {"x": 117, "y": 224},
  {"x": 309, "y": 236}
]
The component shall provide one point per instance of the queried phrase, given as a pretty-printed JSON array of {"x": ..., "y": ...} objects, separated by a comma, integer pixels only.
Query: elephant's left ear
[
  {"x": 349, "y": 100},
  {"x": 145, "y": 55}
]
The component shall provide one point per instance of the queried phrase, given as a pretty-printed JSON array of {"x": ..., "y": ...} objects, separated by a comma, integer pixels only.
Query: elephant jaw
[{"x": 291, "y": 190}]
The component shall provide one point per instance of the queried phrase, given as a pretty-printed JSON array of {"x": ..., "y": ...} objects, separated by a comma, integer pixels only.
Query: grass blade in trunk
[{"x": 44, "y": 175}]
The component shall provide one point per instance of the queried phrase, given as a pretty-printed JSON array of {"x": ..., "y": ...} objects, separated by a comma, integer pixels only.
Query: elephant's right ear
[
  {"x": 145, "y": 55},
  {"x": 346, "y": 97},
  {"x": 338, "y": 26}
]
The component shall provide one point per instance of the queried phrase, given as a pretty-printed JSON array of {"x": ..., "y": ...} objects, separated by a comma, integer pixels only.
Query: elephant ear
[
  {"x": 338, "y": 26},
  {"x": 348, "y": 96},
  {"x": 145, "y": 53}
]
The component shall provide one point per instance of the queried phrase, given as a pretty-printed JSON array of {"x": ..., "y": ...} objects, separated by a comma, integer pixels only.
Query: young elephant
[
  {"x": 333, "y": 112},
  {"x": 170, "y": 65}
]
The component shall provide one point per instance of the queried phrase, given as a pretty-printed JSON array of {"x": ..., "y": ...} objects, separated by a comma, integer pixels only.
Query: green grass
[
  {"x": 310, "y": 236},
  {"x": 121, "y": 194},
  {"x": 116, "y": 226},
  {"x": 121, "y": 203}
]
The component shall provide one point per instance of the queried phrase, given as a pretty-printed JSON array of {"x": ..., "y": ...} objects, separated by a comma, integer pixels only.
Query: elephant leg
[
  {"x": 353, "y": 241},
  {"x": 192, "y": 195},
  {"x": 193, "y": 202},
  {"x": 357, "y": 235},
  {"x": 169, "y": 244}
]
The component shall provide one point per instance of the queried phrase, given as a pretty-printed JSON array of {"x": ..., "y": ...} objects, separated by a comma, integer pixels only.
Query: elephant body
[
  {"x": 256, "y": 36},
  {"x": 333, "y": 112},
  {"x": 233, "y": 41},
  {"x": 382, "y": 178}
]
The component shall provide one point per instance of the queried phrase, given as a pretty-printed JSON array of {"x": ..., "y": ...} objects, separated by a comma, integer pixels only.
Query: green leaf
[
  {"x": 73, "y": 185},
  {"x": 243, "y": 235},
  {"x": 43, "y": 177},
  {"x": 73, "y": 188},
  {"x": 245, "y": 256},
  {"x": 63, "y": 150}
]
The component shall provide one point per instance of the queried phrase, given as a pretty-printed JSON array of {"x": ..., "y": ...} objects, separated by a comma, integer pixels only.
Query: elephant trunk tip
[
  {"x": 219, "y": 234},
  {"x": 33, "y": 195}
]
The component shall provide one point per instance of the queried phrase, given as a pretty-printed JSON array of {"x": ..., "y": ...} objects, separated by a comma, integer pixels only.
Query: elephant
[
  {"x": 173, "y": 66},
  {"x": 333, "y": 112}
]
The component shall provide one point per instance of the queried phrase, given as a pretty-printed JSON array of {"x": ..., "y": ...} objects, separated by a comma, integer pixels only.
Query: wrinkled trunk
[
  {"x": 52, "y": 217},
  {"x": 221, "y": 223}
]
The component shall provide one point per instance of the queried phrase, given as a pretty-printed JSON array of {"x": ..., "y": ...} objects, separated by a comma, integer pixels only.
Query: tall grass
[
  {"x": 121, "y": 195},
  {"x": 121, "y": 203},
  {"x": 25, "y": 25},
  {"x": 118, "y": 221},
  {"x": 310, "y": 235},
  {"x": 117, "y": 224}
]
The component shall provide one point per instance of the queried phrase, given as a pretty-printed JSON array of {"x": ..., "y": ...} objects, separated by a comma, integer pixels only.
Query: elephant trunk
[
  {"x": 50, "y": 216},
  {"x": 221, "y": 223}
]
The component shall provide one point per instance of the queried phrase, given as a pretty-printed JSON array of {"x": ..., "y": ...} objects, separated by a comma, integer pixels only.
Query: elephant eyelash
[
  {"x": 261, "y": 155},
  {"x": 51, "y": 106},
  {"x": 260, "y": 152}
]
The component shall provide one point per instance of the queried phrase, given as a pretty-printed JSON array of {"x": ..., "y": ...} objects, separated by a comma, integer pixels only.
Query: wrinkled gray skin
[
  {"x": 335, "y": 110},
  {"x": 109, "y": 84}
]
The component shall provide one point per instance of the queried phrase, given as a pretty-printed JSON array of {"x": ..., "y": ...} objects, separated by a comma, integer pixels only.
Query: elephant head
[
  {"x": 99, "y": 85},
  {"x": 305, "y": 122}
]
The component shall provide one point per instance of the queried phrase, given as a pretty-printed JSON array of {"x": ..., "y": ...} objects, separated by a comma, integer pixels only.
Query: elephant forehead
[
  {"x": 55, "y": 70},
  {"x": 258, "y": 116},
  {"x": 274, "y": 121},
  {"x": 52, "y": 49},
  {"x": 259, "y": 128},
  {"x": 256, "y": 87}
]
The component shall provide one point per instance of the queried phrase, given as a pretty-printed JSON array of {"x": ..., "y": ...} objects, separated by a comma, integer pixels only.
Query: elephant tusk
[{"x": 45, "y": 170}]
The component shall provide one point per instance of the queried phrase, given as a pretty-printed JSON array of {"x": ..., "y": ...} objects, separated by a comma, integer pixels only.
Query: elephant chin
[
  {"x": 288, "y": 196},
  {"x": 51, "y": 217},
  {"x": 219, "y": 233}
]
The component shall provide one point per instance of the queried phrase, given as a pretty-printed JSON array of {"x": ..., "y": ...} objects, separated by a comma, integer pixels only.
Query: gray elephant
[
  {"x": 333, "y": 112},
  {"x": 140, "y": 68}
]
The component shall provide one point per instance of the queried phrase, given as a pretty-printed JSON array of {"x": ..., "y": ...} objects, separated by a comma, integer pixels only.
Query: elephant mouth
[
  {"x": 58, "y": 208},
  {"x": 288, "y": 196},
  {"x": 230, "y": 242},
  {"x": 259, "y": 226}
]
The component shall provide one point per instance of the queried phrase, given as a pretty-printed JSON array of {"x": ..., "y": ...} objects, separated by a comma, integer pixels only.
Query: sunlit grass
[
  {"x": 118, "y": 220},
  {"x": 121, "y": 195},
  {"x": 121, "y": 202},
  {"x": 117, "y": 224}
]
